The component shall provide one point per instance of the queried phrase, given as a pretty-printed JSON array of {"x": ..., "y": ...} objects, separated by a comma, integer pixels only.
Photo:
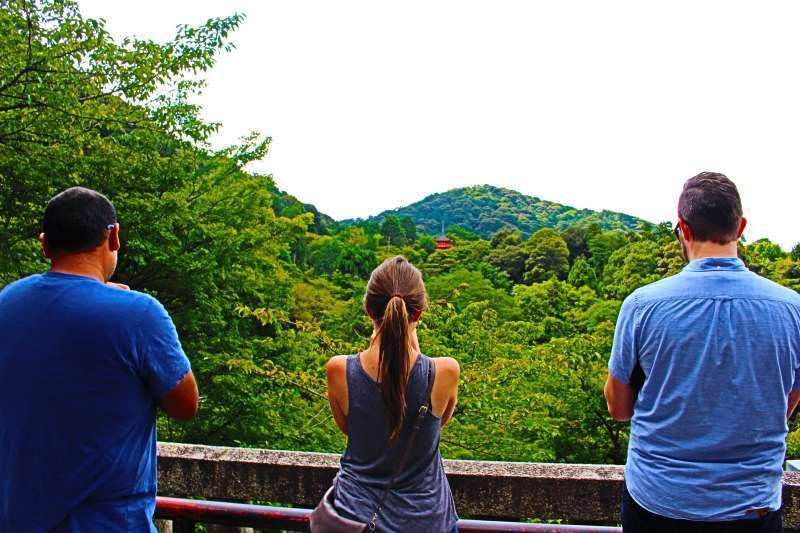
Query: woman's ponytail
[
  {"x": 393, "y": 362},
  {"x": 395, "y": 298}
]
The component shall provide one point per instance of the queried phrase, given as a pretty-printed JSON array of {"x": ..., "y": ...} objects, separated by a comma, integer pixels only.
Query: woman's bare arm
[
  {"x": 445, "y": 391},
  {"x": 336, "y": 369}
]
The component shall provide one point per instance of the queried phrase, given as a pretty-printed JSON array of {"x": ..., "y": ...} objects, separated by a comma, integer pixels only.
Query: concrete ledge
[{"x": 573, "y": 492}]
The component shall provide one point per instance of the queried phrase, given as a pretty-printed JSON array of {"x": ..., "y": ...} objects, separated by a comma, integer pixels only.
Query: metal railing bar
[{"x": 292, "y": 519}]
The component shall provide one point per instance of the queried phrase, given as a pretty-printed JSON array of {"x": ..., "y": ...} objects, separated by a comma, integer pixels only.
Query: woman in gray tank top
[{"x": 375, "y": 396}]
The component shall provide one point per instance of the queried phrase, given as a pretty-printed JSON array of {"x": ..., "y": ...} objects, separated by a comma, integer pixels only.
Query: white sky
[{"x": 602, "y": 105}]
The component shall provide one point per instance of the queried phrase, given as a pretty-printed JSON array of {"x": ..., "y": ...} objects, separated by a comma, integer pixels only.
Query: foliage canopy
[{"x": 263, "y": 288}]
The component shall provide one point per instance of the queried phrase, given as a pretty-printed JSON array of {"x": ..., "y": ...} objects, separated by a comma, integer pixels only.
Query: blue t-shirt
[
  {"x": 720, "y": 349},
  {"x": 82, "y": 365}
]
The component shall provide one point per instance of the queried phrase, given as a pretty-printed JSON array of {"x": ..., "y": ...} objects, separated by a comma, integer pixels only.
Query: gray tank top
[{"x": 420, "y": 499}]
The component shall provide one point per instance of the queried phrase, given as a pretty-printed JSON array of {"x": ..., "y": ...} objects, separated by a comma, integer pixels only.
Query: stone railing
[{"x": 578, "y": 494}]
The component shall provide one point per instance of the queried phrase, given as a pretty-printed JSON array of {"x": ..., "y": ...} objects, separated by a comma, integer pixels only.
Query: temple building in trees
[{"x": 443, "y": 242}]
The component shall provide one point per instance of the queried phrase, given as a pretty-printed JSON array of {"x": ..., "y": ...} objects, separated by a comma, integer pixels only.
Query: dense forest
[
  {"x": 484, "y": 210},
  {"x": 264, "y": 289}
]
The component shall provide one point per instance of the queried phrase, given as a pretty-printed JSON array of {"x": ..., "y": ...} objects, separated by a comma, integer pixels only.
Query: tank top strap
[
  {"x": 359, "y": 383},
  {"x": 418, "y": 382}
]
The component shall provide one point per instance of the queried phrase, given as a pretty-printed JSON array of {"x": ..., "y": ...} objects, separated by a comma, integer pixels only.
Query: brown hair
[
  {"x": 710, "y": 205},
  {"x": 394, "y": 299}
]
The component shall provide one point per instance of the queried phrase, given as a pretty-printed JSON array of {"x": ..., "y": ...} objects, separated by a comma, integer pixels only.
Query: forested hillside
[
  {"x": 286, "y": 205},
  {"x": 484, "y": 210},
  {"x": 264, "y": 289}
]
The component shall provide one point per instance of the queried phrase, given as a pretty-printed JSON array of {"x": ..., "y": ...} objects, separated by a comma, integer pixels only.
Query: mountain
[
  {"x": 287, "y": 205},
  {"x": 485, "y": 209}
]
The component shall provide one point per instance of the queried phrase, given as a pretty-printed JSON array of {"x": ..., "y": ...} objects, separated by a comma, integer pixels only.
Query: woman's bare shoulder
[
  {"x": 447, "y": 366},
  {"x": 336, "y": 366}
]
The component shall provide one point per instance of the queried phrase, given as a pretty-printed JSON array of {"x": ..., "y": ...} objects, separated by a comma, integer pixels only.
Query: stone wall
[{"x": 572, "y": 492}]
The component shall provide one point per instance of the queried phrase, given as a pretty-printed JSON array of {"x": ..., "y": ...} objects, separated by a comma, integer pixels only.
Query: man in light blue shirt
[{"x": 706, "y": 365}]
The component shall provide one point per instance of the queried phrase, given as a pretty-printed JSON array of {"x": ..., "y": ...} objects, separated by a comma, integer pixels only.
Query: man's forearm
[
  {"x": 794, "y": 398},
  {"x": 620, "y": 398}
]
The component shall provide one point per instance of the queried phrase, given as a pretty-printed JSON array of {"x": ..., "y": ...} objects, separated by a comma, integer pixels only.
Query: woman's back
[{"x": 420, "y": 499}]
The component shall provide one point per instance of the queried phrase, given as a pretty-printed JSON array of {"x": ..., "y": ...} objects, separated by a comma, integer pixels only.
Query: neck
[
  {"x": 704, "y": 249},
  {"x": 79, "y": 265},
  {"x": 375, "y": 345}
]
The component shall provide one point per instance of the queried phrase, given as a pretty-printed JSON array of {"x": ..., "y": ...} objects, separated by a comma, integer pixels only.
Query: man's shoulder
[
  {"x": 90, "y": 292},
  {"x": 747, "y": 286},
  {"x": 20, "y": 293},
  {"x": 771, "y": 290},
  {"x": 129, "y": 306},
  {"x": 134, "y": 301},
  {"x": 133, "y": 296},
  {"x": 20, "y": 284},
  {"x": 669, "y": 287}
]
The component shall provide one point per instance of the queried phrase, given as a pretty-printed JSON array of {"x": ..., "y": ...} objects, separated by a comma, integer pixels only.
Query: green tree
[
  {"x": 426, "y": 244},
  {"x": 601, "y": 246},
  {"x": 786, "y": 271},
  {"x": 60, "y": 69},
  {"x": 663, "y": 232},
  {"x": 459, "y": 234},
  {"x": 582, "y": 274},
  {"x": 409, "y": 228},
  {"x": 796, "y": 252},
  {"x": 467, "y": 255},
  {"x": 197, "y": 231},
  {"x": 765, "y": 250},
  {"x": 555, "y": 304},
  {"x": 510, "y": 259},
  {"x": 77, "y": 107},
  {"x": 392, "y": 231},
  {"x": 576, "y": 237},
  {"x": 350, "y": 251},
  {"x": 323, "y": 253},
  {"x": 602, "y": 311},
  {"x": 670, "y": 259},
  {"x": 631, "y": 267},
  {"x": 762, "y": 255},
  {"x": 499, "y": 278},
  {"x": 548, "y": 256},
  {"x": 462, "y": 287},
  {"x": 513, "y": 407},
  {"x": 506, "y": 237}
]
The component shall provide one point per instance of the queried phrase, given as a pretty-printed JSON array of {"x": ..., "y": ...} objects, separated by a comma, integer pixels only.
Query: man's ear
[
  {"x": 742, "y": 225},
  {"x": 685, "y": 230},
  {"x": 45, "y": 248},
  {"x": 113, "y": 238}
]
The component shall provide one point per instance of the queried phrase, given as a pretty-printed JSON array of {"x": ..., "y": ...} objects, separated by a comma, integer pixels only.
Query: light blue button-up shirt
[{"x": 720, "y": 349}]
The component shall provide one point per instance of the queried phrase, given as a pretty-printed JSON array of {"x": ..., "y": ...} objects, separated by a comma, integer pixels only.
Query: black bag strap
[{"x": 424, "y": 409}]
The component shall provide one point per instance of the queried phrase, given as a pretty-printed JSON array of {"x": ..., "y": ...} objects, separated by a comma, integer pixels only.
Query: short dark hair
[
  {"x": 75, "y": 220},
  {"x": 710, "y": 205}
]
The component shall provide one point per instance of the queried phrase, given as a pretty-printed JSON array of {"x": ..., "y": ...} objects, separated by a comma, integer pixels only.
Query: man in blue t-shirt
[
  {"x": 84, "y": 363},
  {"x": 706, "y": 365}
]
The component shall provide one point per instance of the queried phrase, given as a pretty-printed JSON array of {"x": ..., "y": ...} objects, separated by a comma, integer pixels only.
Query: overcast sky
[{"x": 604, "y": 105}]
